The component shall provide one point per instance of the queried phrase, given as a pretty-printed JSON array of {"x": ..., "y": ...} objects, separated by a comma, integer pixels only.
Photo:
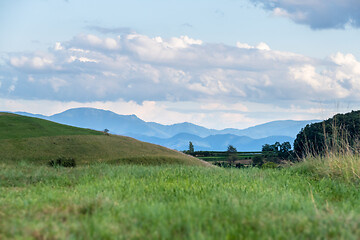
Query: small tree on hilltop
[{"x": 106, "y": 131}]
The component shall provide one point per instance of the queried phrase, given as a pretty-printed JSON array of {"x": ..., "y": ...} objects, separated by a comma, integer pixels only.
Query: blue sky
[{"x": 231, "y": 63}]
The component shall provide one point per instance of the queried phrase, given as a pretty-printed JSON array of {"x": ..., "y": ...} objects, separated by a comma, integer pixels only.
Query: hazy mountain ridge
[
  {"x": 177, "y": 136},
  {"x": 217, "y": 142}
]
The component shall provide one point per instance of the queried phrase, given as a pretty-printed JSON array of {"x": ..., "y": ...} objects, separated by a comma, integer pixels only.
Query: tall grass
[
  {"x": 345, "y": 167},
  {"x": 339, "y": 160}
]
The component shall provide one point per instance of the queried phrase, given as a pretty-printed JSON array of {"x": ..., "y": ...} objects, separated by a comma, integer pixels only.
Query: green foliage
[
  {"x": 104, "y": 201},
  {"x": 63, "y": 162},
  {"x": 257, "y": 160},
  {"x": 269, "y": 165},
  {"x": 231, "y": 149},
  {"x": 282, "y": 151},
  {"x": 337, "y": 133},
  {"x": 239, "y": 165}
]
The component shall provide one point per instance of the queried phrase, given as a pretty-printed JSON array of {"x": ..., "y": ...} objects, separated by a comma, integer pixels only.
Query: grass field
[
  {"x": 105, "y": 201},
  {"x": 126, "y": 189}
]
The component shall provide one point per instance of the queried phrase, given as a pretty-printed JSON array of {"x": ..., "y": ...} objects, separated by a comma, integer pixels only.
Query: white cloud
[
  {"x": 56, "y": 83},
  {"x": 31, "y": 79},
  {"x": 58, "y": 46},
  {"x": 140, "y": 69},
  {"x": 11, "y": 88},
  {"x": 36, "y": 62},
  {"x": 90, "y": 40},
  {"x": 260, "y": 46},
  {"x": 81, "y": 59}
]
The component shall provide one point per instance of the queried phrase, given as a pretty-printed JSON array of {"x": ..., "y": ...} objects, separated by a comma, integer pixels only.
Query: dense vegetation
[{"x": 337, "y": 133}]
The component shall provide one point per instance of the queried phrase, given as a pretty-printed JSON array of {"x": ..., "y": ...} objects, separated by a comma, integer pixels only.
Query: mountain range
[{"x": 177, "y": 136}]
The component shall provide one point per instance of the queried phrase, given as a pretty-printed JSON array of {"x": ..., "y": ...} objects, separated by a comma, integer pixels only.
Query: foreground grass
[{"x": 173, "y": 202}]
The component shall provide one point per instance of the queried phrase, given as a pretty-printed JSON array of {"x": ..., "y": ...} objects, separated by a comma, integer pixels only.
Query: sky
[{"x": 219, "y": 64}]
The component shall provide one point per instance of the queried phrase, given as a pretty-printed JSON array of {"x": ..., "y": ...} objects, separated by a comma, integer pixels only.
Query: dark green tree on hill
[{"x": 340, "y": 132}]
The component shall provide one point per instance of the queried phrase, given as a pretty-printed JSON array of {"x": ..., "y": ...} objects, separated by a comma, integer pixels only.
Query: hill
[
  {"x": 16, "y": 126},
  {"x": 38, "y": 141}
]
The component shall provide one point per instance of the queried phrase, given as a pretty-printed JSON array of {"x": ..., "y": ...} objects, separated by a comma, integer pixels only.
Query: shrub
[
  {"x": 239, "y": 165},
  {"x": 63, "y": 162},
  {"x": 257, "y": 160},
  {"x": 269, "y": 165}
]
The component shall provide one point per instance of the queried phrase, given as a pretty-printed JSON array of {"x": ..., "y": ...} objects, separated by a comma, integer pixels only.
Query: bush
[
  {"x": 257, "y": 160},
  {"x": 223, "y": 164},
  {"x": 269, "y": 165},
  {"x": 63, "y": 162},
  {"x": 239, "y": 165}
]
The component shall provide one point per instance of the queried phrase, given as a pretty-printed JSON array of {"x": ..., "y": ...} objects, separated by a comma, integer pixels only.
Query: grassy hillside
[
  {"x": 38, "y": 141},
  {"x": 16, "y": 126}
]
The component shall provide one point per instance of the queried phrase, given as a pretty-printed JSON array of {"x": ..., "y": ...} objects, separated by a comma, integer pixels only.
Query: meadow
[
  {"x": 105, "y": 201},
  {"x": 122, "y": 188}
]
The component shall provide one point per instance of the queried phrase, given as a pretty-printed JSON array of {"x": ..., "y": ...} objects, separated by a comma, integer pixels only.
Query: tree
[
  {"x": 232, "y": 156},
  {"x": 338, "y": 133},
  {"x": 275, "y": 151},
  {"x": 285, "y": 147},
  {"x": 191, "y": 148},
  {"x": 277, "y": 146},
  {"x": 106, "y": 131},
  {"x": 257, "y": 160},
  {"x": 267, "y": 148},
  {"x": 285, "y": 150},
  {"x": 231, "y": 149}
]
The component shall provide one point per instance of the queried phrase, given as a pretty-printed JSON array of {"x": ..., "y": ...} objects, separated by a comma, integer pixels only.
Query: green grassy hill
[{"x": 38, "y": 141}]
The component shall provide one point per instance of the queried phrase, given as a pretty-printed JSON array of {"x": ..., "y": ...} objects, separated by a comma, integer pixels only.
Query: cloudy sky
[{"x": 229, "y": 63}]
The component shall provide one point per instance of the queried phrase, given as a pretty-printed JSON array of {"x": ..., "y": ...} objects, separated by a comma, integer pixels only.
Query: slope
[
  {"x": 16, "y": 126},
  {"x": 38, "y": 141}
]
